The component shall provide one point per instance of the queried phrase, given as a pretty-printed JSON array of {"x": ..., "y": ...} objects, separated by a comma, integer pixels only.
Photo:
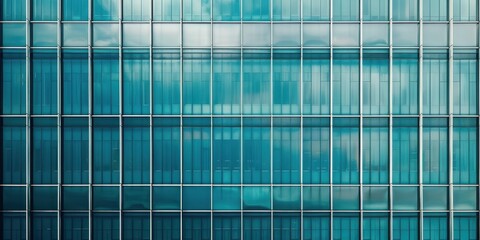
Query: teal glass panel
[
  {"x": 287, "y": 226},
  {"x": 405, "y": 82},
  {"x": 256, "y": 150},
  {"x": 256, "y": 226},
  {"x": 375, "y": 151},
  {"x": 13, "y": 151},
  {"x": 256, "y": 82},
  {"x": 75, "y": 10},
  {"x": 346, "y": 226},
  {"x": 136, "y": 10},
  {"x": 226, "y": 35},
  {"x": 44, "y": 35},
  {"x": 13, "y": 82},
  {"x": 136, "y": 150},
  {"x": 346, "y": 10},
  {"x": 286, "y": 82},
  {"x": 255, "y": 10},
  {"x": 196, "y": 82},
  {"x": 435, "y": 226},
  {"x": 226, "y": 82},
  {"x": 346, "y": 159},
  {"x": 465, "y": 35},
  {"x": 43, "y": 225},
  {"x": 166, "y": 198},
  {"x": 405, "y": 150},
  {"x": 14, "y": 226},
  {"x": 75, "y": 169},
  {"x": 75, "y": 198},
  {"x": 106, "y": 150},
  {"x": 196, "y": 10},
  {"x": 226, "y": 10},
  {"x": 75, "y": 82},
  {"x": 435, "y": 150},
  {"x": 166, "y": 10},
  {"x": 226, "y": 150},
  {"x": 13, "y": 198},
  {"x": 286, "y": 10},
  {"x": 465, "y": 198},
  {"x": 166, "y": 150},
  {"x": 256, "y": 198},
  {"x": 435, "y": 10},
  {"x": 316, "y": 82},
  {"x": 435, "y": 198},
  {"x": 105, "y": 82},
  {"x": 13, "y": 10},
  {"x": 465, "y": 151},
  {"x": 44, "y": 82},
  {"x": 13, "y": 34},
  {"x": 136, "y": 198},
  {"x": 44, "y": 198},
  {"x": 316, "y": 226},
  {"x": 44, "y": 10},
  {"x": 405, "y": 10},
  {"x": 406, "y": 35},
  {"x": 74, "y": 35},
  {"x": 346, "y": 198},
  {"x": 316, "y": 150},
  {"x": 197, "y": 35},
  {"x": 405, "y": 198},
  {"x": 105, "y": 35},
  {"x": 135, "y": 226},
  {"x": 44, "y": 147},
  {"x": 196, "y": 226},
  {"x": 166, "y": 82},
  {"x": 405, "y": 226},
  {"x": 105, "y": 10},
  {"x": 74, "y": 226},
  {"x": 375, "y": 226},
  {"x": 196, "y": 198},
  {"x": 375, "y": 82},
  {"x": 105, "y": 198},
  {"x": 346, "y": 35},
  {"x": 316, "y": 10},
  {"x": 286, "y": 198},
  {"x": 465, "y": 10},
  {"x": 105, "y": 226},
  {"x": 136, "y": 82},
  {"x": 375, "y": 35},
  {"x": 196, "y": 150},
  {"x": 256, "y": 35},
  {"x": 435, "y": 82},
  {"x": 375, "y": 10},
  {"x": 435, "y": 35},
  {"x": 166, "y": 226},
  {"x": 130, "y": 38},
  {"x": 465, "y": 226},
  {"x": 375, "y": 198},
  {"x": 465, "y": 75},
  {"x": 226, "y": 226},
  {"x": 346, "y": 82},
  {"x": 226, "y": 198},
  {"x": 316, "y": 198},
  {"x": 286, "y": 150}
]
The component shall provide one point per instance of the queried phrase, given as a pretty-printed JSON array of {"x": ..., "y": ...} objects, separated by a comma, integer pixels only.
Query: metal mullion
[
  {"x": 211, "y": 119},
  {"x": 390, "y": 116},
  {"x": 450, "y": 125},
  {"x": 120, "y": 117},
  {"x": 361, "y": 119},
  {"x": 331, "y": 118},
  {"x": 59, "y": 120},
  {"x": 151, "y": 121},
  {"x": 271, "y": 123},
  {"x": 90, "y": 121},
  {"x": 420, "y": 112},
  {"x": 301, "y": 121},
  {"x": 27, "y": 121},
  {"x": 181, "y": 118},
  {"x": 241, "y": 121}
]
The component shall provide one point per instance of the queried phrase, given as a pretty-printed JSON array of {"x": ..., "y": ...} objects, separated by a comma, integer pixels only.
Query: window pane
[
  {"x": 166, "y": 150},
  {"x": 256, "y": 198},
  {"x": 226, "y": 226},
  {"x": 286, "y": 151},
  {"x": 75, "y": 10},
  {"x": 465, "y": 226},
  {"x": 346, "y": 82},
  {"x": 131, "y": 33},
  {"x": 286, "y": 226},
  {"x": 75, "y": 35},
  {"x": 405, "y": 82},
  {"x": 465, "y": 74},
  {"x": 196, "y": 150},
  {"x": 375, "y": 10},
  {"x": 166, "y": 226},
  {"x": 226, "y": 150},
  {"x": 197, "y": 35},
  {"x": 316, "y": 82},
  {"x": 196, "y": 10},
  {"x": 346, "y": 226},
  {"x": 44, "y": 198},
  {"x": 435, "y": 35},
  {"x": 435, "y": 10},
  {"x": 44, "y": 10},
  {"x": 135, "y": 226},
  {"x": 196, "y": 198},
  {"x": 465, "y": 198},
  {"x": 346, "y": 35},
  {"x": 435, "y": 151},
  {"x": 74, "y": 226},
  {"x": 375, "y": 35},
  {"x": 346, "y": 198},
  {"x": 136, "y": 150},
  {"x": 226, "y": 35},
  {"x": 316, "y": 226},
  {"x": 105, "y": 226},
  {"x": 106, "y": 198},
  {"x": 13, "y": 10},
  {"x": 13, "y": 198},
  {"x": 465, "y": 35},
  {"x": 465, "y": 151},
  {"x": 13, "y": 151},
  {"x": 405, "y": 10},
  {"x": 405, "y": 198},
  {"x": 465, "y": 10},
  {"x": 44, "y": 224},
  {"x": 136, "y": 82},
  {"x": 346, "y": 151},
  {"x": 166, "y": 10},
  {"x": 106, "y": 150},
  {"x": 166, "y": 198},
  {"x": 375, "y": 82},
  {"x": 316, "y": 151},
  {"x": 136, "y": 198},
  {"x": 316, "y": 10},
  {"x": 256, "y": 150},
  {"x": 256, "y": 10},
  {"x": 256, "y": 35},
  {"x": 196, "y": 226},
  {"x": 166, "y": 82},
  {"x": 75, "y": 198},
  {"x": 375, "y": 151},
  {"x": 166, "y": 35},
  {"x": 435, "y": 198},
  {"x": 44, "y": 158},
  {"x": 405, "y": 35},
  {"x": 75, "y": 151},
  {"x": 256, "y": 225},
  {"x": 286, "y": 82},
  {"x": 13, "y": 34},
  {"x": 105, "y": 82},
  {"x": 105, "y": 35},
  {"x": 196, "y": 82},
  {"x": 226, "y": 10},
  {"x": 405, "y": 226},
  {"x": 375, "y": 198},
  {"x": 136, "y": 10},
  {"x": 75, "y": 81},
  {"x": 226, "y": 82},
  {"x": 375, "y": 225},
  {"x": 435, "y": 226},
  {"x": 435, "y": 82},
  {"x": 256, "y": 82},
  {"x": 286, "y": 35},
  {"x": 316, "y": 35},
  {"x": 346, "y": 10},
  {"x": 44, "y": 35},
  {"x": 105, "y": 10},
  {"x": 286, "y": 198},
  {"x": 226, "y": 198},
  {"x": 286, "y": 10},
  {"x": 13, "y": 82},
  {"x": 405, "y": 150},
  {"x": 316, "y": 198}
]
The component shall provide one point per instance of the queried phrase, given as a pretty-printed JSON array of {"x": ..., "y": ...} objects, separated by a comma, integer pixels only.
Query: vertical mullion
[
  {"x": 151, "y": 120},
  {"x": 450, "y": 114},
  {"x": 301, "y": 121},
  {"x": 420, "y": 112},
  {"x": 241, "y": 121},
  {"x": 59, "y": 118},
  {"x": 211, "y": 119},
  {"x": 90, "y": 111},
  {"x": 181, "y": 118},
  {"x": 271, "y": 123},
  {"x": 120, "y": 119},
  {"x": 390, "y": 134},
  {"x": 331, "y": 118},
  {"x": 361, "y": 118},
  {"x": 27, "y": 121}
]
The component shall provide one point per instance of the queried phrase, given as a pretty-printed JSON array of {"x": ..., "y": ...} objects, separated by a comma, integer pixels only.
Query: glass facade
[{"x": 239, "y": 119}]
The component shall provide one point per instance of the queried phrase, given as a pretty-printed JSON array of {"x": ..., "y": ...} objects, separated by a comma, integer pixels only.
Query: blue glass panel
[
  {"x": 465, "y": 151},
  {"x": 375, "y": 82},
  {"x": 435, "y": 226},
  {"x": 105, "y": 35},
  {"x": 44, "y": 10},
  {"x": 286, "y": 10},
  {"x": 435, "y": 198},
  {"x": 286, "y": 226},
  {"x": 136, "y": 226},
  {"x": 105, "y": 10},
  {"x": 166, "y": 150},
  {"x": 196, "y": 10},
  {"x": 196, "y": 198},
  {"x": 256, "y": 198},
  {"x": 44, "y": 158},
  {"x": 75, "y": 198},
  {"x": 316, "y": 198},
  {"x": 346, "y": 226},
  {"x": 256, "y": 150},
  {"x": 44, "y": 82},
  {"x": 405, "y": 226},
  {"x": 346, "y": 10},
  {"x": 44, "y": 225},
  {"x": 136, "y": 150},
  {"x": 316, "y": 226},
  {"x": 227, "y": 226},
  {"x": 75, "y": 82},
  {"x": 286, "y": 82},
  {"x": 166, "y": 198},
  {"x": 13, "y": 82},
  {"x": 286, "y": 198},
  {"x": 346, "y": 159},
  {"x": 136, "y": 82},
  {"x": 136, "y": 10},
  {"x": 316, "y": 82},
  {"x": 196, "y": 226},
  {"x": 105, "y": 82},
  {"x": 346, "y": 82},
  {"x": 226, "y": 198},
  {"x": 435, "y": 151},
  {"x": 106, "y": 198},
  {"x": 136, "y": 198},
  {"x": 106, "y": 226},
  {"x": 256, "y": 10},
  {"x": 13, "y": 10},
  {"x": 375, "y": 198},
  {"x": 465, "y": 198},
  {"x": 12, "y": 150},
  {"x": 256, "y": 82},
  {"x": 435, "y": 10},
  {"x": 74, "y": 35},
  {"x": 256, "y": 226},
  {"x": 375, "y": 151},
  {"x": 13, "y": 34},
  {"x": 465, "y": 75},
  {"x": 316, "y": 150},
  {"x": 166, "y": 10},
  {"x": 316, "y": 10},
  {"x": 106, "y": 151},
  {"x": 166, "y": 82},
  {"x": 75, "y": 10},
  {"x": 375, "y": 226},
  {"x": 286, "y": 150},
  {"x": 435, "y": 82},
  {"x": 166, "y": 226},
  {"x": 405, "y": 198},
  {"x": 196, "y": 82},
  {"x": 196, "y": 150},
  {"x": 75, "y": 151},
  {"x": 44, "y": 198},
  {"x": 226, "y": 10},
  {"x": 44, "y": 35},
  {"x": 226, "y": 150},
  {"x": 465, "y": 10},
  {"x": 465, "y": 226},
  {"x": 405, "y": 10},
  {"x": 375, "y": 10},
  {"x": 346, "y": 198},
  {"x": 405, "y": 83},
  {"x": 226, "y": 82},
  {"x": 405, "y": 150},
  {"x": 75, "y": 226},
  {"x": 13, "y": 198}
]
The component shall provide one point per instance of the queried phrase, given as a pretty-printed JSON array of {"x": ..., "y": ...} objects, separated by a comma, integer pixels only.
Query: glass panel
[
  {"x": 75, "y": 81},
  {"x": 465, "y": 10},
  {"x": 286, "y": 35},
  {"x": 465, "y": 151},
  {"x": 136, "y": 198},
  {"x": 75, "y": 35},
  {"x": 435, "y": 198},
  {"x": 346, "y": 226},
  {"x": 405, "y": 198},
  {"x": 44, "y": 10},
  {"x": 465, "y": 198},
  {"x": 405, "y": 83},
  {"x": 256, "y": 35},
  {"x": 166, "y": 198},
  {"x": 105, "y": 10},
  {"x": 346, "y": 10},
  {"x": 316, "y": 226},
  {"x": 105, "y": 35},
  {"x": 316, "y": 35},
  {"x": 435, "y": 226},
  {"x": 135, "y": 226},
  {"x": 197, "y": 35},
  {"x": 13, "y": 82},
  {"x": 13, "y": 10},
  {"x": 75, "y": 10},
  {"x": 166, "y": 10},
  {"x": 375, "y": 35},
  {"x": 465, "y": 74},
  {"x": 75, "y": 151},
  {"x": 256, "y": 198},
  {"x": 465, "y": 35},
  {"x": 226, "y": 226},
  {"x": 106, "y": 162},
  {"x": 346, "y": 198},
  {"x": 136, "y": 82},
  {"x": 405, "y": 10},
  {"x": 346, "y": 35},
  {"x": 405, "y": 226},
  {"x": 256, "y": 10},
  {"x": 346, "y": 151},
  {"x": 375, "y": 10},
  {"x": 435, "y": 153},
  {"x": 226, "y": 82},
  {"x": 13, "y": 35},
  {"x": 166, "y": 150},
  {"x": 166, "y": 226},
  {"x": 74, "y": 226},
  {"x": 375, "y": 226},
  {"x": 286, "y": 151},
  {"x": 256, "y": 82},
  {"x": 196, "y": 226},
  {"x": 196, "y": 198},
  {"x": 44, "y": 158},
  {"x": 44, "y": 35},
  {"x": 226, "y": 35},
  {"x": 136, "y": 150},
  {"x": 196, "y": 151},
  {"x": 131, "y": 33},
  {"x": 316, "y": 10},
  {"x": 166, "y": 35},
  {"x": 435, "y": 82},
  {"x": 226, "y": 10},
  {"x": 44, "y": 198},
  {"x": 13, "y": 198},
  {"x": 196, "y": 10},
  {"x": 75, "y": 198},
  {"x": 316, "y": 80},
  {"x": 286, "y": 198},
  {"x": 136, "y": 10},
  {"x": 106, "y": 198},
  {"x": 375, "y": 198},
  {"x": 256, "y": 150},
  {"x": 405, "y": 35},
  {"x": 256, "y": 226},
  {"x": 105, "y": 226},
  {"x": 105, "y": 82},
  {"x": 166, "y": 82},
  {"x": 435, "y": 10},
  {"x": 286, "y": 82},
  {"x": 316, "y": 151},
  {"x": 226, "y": 150},
  {"x": 44, "y": 225},
  {"x": 196, "y": 82},
  {"x": 375, "y": 82},
  {"x": 13, "y": 150},
  {"x": 375, "y": 151},
  {"x": 226, "y": 198},
  {"x": 405, "y": 151},
  {"x": 286, "y": 10},
  {"x": 435, "y": 35},
  {"x": 316, "y": 198},
  {"x": 286, "y": 226},
  {"x": 346, "y": 82},
  {"x": 465, "y": 226}
]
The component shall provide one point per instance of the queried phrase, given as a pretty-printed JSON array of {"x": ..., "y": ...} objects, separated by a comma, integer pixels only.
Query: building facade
[{"x": 239, "y": 119}]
